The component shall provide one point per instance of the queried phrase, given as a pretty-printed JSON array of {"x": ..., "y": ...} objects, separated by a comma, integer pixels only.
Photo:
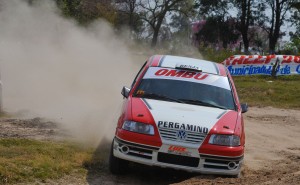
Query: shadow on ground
[{"x": 98, "y": 172}]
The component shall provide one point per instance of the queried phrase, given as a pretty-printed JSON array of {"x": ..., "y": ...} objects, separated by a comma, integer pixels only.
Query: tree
[
  {"x": 212, "y": 8},
  {"x": 154, "y": 12},
  {"x": 220, "y": 27},
  {"x": 181, "y": 26},
  {"x": 128, "y": 13},
  {"x": 219, "y": 32},
  {"x": 85, "y": 11},
  {"x": 278, "y": 16},
  {"x": 245, "y": 13},
  {"x": 294, "y": 45},
  {"x": 296, "y": 19},
  {"x": 93, "y": 9},
  {"x": 70, "y": 8}
]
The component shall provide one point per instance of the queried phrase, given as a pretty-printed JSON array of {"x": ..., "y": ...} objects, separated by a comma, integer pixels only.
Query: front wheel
[
  {"x": 239, "y": 175},
  {"x": 116, "y": 165}
]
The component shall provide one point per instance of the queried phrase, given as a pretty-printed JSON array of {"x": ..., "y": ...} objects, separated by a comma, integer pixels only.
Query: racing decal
[
  {"x": 188, "y": 67},
  {"x": 140, "y": 92},
  {"x": 170, "y": 116},
  {"x": 263, "y": 65},
  {"x": 217, "y": 69},
  {"x": 185, "y": 75},
  {"x": 178, "y": 150},
  {"x": 146, "y": 103},
  {"x": 182, "y": 74},
  {"x": 171, "y": 61},
  {"x": 156, "y": 60},
  {"x": 161, "y": 61},
  {"x": 182, "y": 126},
  {"x": 222, "y": 114}
]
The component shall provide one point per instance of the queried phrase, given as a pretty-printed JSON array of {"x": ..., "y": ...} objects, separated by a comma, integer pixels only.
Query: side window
[{"x": 138, "y": 75}]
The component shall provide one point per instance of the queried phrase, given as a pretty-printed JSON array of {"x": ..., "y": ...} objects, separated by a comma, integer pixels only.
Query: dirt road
[{"x": 272, "y": 153}]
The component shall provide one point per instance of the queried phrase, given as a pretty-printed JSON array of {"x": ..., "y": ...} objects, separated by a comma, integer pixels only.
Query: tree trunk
[
  {"x": 131, "y": 21},
  {"x": 245, "y": 17},
  {"x": 155, "y": 37},
  {"x": 274, "y": 33},
  {"x": 156, "y": 30},
  {"x": 272, "y": 44},
  {"x": 246, "y": 42}
]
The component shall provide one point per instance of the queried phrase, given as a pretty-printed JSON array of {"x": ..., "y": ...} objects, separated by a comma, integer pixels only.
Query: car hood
[{"x": 194, "y": 118}]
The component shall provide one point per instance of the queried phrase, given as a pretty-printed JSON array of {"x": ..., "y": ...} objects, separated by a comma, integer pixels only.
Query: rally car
[{"x": 181, "y": 113}]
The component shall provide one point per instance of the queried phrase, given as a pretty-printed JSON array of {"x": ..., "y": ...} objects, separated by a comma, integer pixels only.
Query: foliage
[
  {"x": 257, "y": 38},
  {"x": 219, "y": 32},
  {"x": 210, "y": 8},
  {"x": 24, "y": 160},
  {"x": 245, "y": 12},
  {"x": 293, "y": 47},
  {"x": 164, "y": 20},
  {"x": 154, "y": 13},
  {"x": 281, "y": 92},
  {"x": 296, "y": 18},
  {"x": 273, "y": 21},
  {"x": 128, "y": 15},
  {"x": 216, "y": 56},
  {"x": 70, "y": 8},
  {"x": 85, "y": 11}
]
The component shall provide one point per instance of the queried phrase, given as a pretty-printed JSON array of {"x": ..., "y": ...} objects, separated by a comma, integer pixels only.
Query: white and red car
[{"x": 181, "y": 113}]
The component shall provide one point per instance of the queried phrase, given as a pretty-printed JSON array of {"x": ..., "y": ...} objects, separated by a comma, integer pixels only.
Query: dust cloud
[{"x": 52, "y": 68}]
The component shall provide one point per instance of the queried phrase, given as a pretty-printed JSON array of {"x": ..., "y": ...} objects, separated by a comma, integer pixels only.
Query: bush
[{"x": 216, "y": 56}]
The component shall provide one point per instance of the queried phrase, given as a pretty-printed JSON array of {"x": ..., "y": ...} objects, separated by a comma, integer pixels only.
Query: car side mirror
[
  {"x": 244, "y": 107},
  {"x": 125, "y": 92}
]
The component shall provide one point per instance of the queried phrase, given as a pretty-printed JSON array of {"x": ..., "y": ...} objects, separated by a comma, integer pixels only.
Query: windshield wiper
[
  {"x": 160, "y": 97},
  {"x": 199, "y": 102}
]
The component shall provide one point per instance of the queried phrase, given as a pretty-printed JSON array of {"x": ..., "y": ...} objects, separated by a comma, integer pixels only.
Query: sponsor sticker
[
  {"x": 178, "y": 150},
  {"x": 182, "y": 127},
  {"x": 186, "y": 75},
  {"x": 192, "y": 67},
  {"x": 140, "y": 92}
]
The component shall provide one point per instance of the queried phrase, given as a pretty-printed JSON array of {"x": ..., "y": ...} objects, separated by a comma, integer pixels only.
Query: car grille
[
  {"x": 191, "y": 137},
  {"x": 136, "y": 150},
  {"x": 139, "y": 152},
  {"x": 178, "y": 160},
  {"x": 221, "y": 163}
]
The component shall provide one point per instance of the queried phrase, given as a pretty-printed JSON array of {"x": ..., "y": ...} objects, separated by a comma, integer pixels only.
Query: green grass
[
  {"x": 23, "y": 160},
  {"x": 280, "y": 92},
  {"x": 4, "y": 114}
]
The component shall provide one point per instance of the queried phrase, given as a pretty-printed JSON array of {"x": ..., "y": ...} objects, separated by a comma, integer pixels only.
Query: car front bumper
[{"x": 153, "y": 156}]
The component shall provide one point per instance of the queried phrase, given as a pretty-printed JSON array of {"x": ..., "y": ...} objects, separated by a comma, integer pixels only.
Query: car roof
[{"x": 170, "y": 61}]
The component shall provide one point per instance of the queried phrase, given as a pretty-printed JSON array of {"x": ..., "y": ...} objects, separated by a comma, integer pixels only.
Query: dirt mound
[{"x": 35, "y": 128}]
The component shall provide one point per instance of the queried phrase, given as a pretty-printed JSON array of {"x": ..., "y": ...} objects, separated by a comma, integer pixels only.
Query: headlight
[
  {"x": 142, "y": 128},
  {"x": 225, "y": 140}
]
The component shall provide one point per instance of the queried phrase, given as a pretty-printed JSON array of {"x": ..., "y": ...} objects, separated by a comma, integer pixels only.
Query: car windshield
[{"x": 185, "y": 92}]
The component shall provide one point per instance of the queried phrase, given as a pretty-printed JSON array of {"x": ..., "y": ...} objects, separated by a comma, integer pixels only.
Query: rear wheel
[{"x": 116, "y": 165}]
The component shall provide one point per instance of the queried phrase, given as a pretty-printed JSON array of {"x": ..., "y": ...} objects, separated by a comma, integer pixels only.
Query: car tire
[
  {"x": 117, "y": 166},
  {"x": 239, "y": 175}
]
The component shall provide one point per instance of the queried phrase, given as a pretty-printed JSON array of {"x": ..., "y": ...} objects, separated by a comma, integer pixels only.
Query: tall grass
[
  {"x": 280, "y": 92},
  {"x": 23, "y": 160}
]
